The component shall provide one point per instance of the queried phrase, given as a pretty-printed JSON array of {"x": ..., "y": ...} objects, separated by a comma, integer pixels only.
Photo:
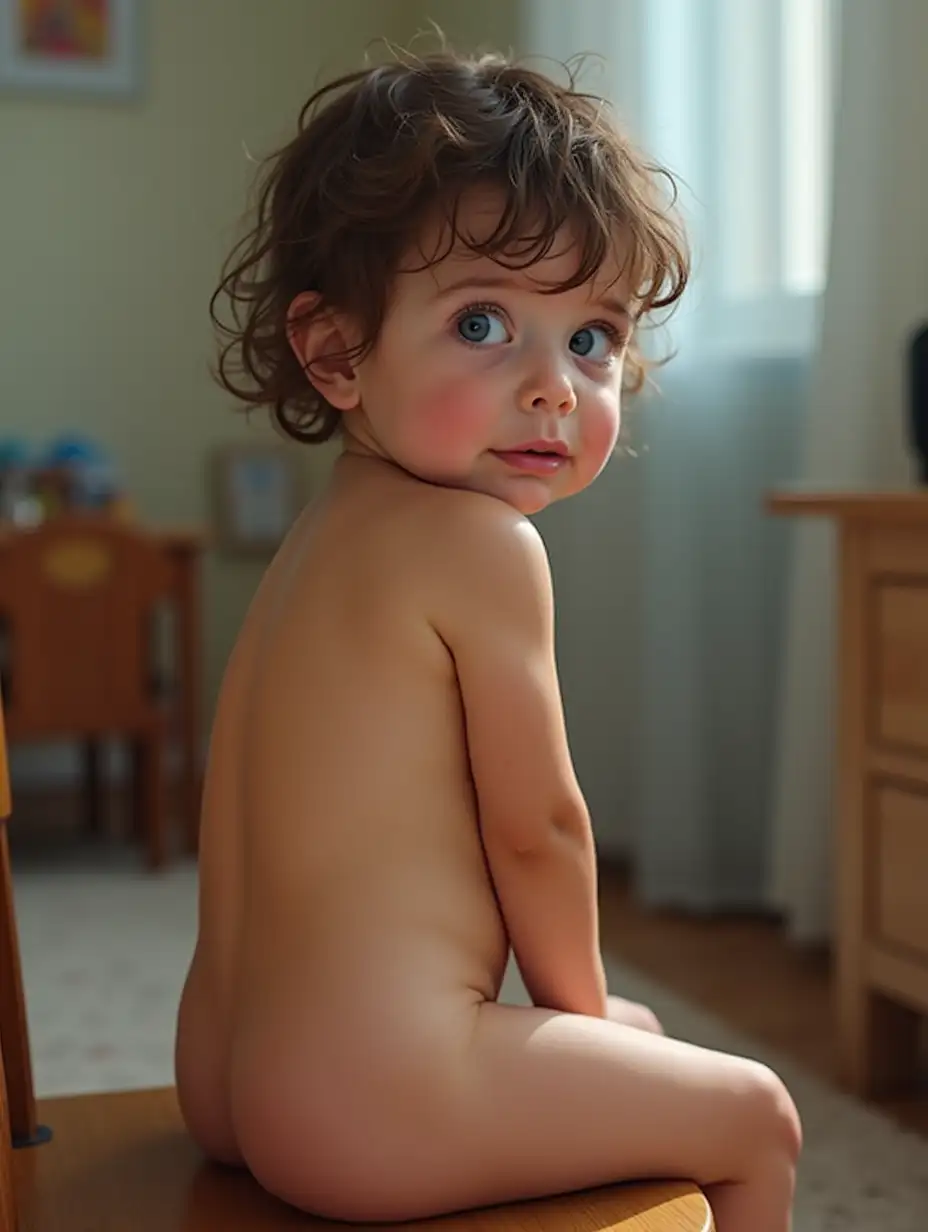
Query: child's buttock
[{"x": 339, "y": 1099}]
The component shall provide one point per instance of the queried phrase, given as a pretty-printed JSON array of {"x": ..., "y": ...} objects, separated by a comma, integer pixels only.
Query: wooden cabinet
[{"x": 881, "y": 830}]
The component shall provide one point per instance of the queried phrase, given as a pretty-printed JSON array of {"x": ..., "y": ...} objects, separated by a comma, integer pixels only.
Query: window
[{"x": 737, "y": 100}]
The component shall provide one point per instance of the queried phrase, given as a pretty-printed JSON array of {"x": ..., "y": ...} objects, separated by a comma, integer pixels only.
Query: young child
[{"x": 448, "y": 266}]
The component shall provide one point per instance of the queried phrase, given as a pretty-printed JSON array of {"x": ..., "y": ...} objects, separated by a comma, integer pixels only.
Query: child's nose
[{"x": 549, "y": 391}]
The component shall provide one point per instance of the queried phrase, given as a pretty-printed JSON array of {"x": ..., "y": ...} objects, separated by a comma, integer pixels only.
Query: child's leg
[
  {"x": 527, "y": 1103},
  {"x": 565, "y": 1102}
]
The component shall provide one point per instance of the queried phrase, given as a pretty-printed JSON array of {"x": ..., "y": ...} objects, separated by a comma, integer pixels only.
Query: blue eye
[
  {"x": 482, "y": 327},
  {"x": 593, "y": 342}
]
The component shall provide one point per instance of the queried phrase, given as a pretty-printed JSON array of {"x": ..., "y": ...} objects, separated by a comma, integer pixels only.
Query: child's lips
[{"x": 534, "y": 463}]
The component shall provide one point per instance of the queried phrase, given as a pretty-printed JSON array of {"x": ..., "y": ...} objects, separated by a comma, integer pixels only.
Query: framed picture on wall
[
  {"x": 77, "y": 47},
  {"x": 257, "y": 496}
]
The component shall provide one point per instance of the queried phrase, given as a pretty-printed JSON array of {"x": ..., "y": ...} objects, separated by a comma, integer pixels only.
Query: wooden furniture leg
[
  {"x": 136, "y": 792},
  {"x": 151, "y": 797},
  {"x": 94, "y": 814},
  {"x": 8, "y": 1220},
  {"x": 187, "y": 590},
  {"x": 8, "y": 1206},
  {"x": 14, "y": 1033}
]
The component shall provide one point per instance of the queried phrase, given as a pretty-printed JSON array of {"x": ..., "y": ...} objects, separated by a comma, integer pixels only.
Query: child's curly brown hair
[{"x": 377, "y": 153}]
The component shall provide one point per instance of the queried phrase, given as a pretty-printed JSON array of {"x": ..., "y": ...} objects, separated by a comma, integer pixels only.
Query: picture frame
[
  {"x": 257, "y": 495},
  {"x": 83, "y": 48}
]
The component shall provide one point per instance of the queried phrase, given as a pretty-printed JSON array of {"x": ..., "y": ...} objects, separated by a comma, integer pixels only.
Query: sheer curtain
[
  {"x": 680, "y": 759},
  {"x": 593, "y": 539},
  {"x": 855, "y": 431}
]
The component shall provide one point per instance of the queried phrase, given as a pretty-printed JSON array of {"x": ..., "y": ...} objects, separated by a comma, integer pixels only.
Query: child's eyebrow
[{"x": 495, "y": 281}]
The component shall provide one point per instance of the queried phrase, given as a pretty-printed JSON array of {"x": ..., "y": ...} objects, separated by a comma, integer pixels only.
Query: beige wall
[
  {"x": 478, "y": 25},
  {"x": 116, "y": 217},
  {"x": 114, "y": 220}
]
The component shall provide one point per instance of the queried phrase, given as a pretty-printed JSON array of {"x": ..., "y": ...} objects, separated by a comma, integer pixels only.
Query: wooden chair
[
  {"x": 79, "y": 597},
  {"x": 124, "y": 1160}
]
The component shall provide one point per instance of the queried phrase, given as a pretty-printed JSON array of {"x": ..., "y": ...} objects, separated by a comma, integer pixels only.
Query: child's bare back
[
  {"x": 390, "y": 804},
  {"x": 348, "y": 929}
]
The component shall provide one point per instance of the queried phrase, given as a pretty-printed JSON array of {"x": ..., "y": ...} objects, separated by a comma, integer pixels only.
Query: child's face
[{"x": 475, "y": 363}]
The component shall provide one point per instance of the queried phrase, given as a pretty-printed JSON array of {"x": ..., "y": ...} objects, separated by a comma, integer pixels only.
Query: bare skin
[
  {"x": 357, "y": 985},
  {"x": 389, "y": 806},
  {"x": 429, "y": 862}
]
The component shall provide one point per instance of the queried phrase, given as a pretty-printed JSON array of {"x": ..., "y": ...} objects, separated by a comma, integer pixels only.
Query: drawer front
[
  {"x": 898, "y": 908},
  {"x": 900, "y": 665}
]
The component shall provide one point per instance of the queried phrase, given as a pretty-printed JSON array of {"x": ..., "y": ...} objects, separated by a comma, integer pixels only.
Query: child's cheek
[
  {"x": 454, "y": 420},
  {"x": 600, "y": 434}
]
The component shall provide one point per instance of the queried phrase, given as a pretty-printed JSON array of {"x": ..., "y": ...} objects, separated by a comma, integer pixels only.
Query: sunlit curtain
[
  {"x": 855, "y": 432},
  {"x": 734, "y": 97}
]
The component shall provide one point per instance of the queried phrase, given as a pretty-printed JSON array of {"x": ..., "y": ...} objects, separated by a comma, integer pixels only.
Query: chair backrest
[{"x": 77, "y": 598}]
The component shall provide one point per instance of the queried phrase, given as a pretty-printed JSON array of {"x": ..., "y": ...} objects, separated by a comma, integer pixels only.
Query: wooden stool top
[{"x": 124, "y": 1160}]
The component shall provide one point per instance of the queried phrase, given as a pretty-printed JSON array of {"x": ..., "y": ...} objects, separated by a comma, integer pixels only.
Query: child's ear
[{"x": 320, "y": 341}]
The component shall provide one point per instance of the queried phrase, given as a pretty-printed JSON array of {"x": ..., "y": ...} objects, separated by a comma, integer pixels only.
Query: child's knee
[{"x": 776, "y": 1123}]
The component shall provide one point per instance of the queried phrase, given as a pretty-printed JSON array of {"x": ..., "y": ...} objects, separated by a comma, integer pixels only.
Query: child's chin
[{"x": 527, "y": 496}]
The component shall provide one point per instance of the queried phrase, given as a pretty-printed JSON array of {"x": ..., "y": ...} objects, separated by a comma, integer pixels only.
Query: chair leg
[
  {"x": 136, "y": 826},
  {"x": 93, "y": 786},
  {"x": 150, "y": 797}
]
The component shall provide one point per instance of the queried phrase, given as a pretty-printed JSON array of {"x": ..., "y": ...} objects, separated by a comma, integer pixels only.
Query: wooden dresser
[{"x": 881, "y": 883}]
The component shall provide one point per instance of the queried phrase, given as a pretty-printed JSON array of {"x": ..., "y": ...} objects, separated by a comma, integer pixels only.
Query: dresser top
[{"x": 878, "y": 505}]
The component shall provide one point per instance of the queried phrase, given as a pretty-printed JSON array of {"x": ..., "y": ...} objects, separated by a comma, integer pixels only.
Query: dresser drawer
[
  {"x": 899, "y": 686},
  {"x": 898, "y": 869}
]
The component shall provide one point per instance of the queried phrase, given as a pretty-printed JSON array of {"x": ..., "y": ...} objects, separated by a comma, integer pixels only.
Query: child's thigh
[{"x": 565, "y": 1102}]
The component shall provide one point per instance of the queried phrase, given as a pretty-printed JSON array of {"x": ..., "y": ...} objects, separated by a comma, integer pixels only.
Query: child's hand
[{"x": 631, "y": 1014}]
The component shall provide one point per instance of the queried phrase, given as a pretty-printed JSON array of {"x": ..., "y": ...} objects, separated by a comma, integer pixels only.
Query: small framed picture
[
  {"x": 257, "y": 493},
  {"x": 77, "y": 47}
]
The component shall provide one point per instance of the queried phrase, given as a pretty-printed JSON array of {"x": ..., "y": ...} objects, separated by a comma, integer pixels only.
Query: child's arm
[{"x": 534, "y": 823}]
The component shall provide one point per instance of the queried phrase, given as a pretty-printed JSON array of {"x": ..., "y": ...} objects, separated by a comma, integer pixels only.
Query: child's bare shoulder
[
  {"x": 467, "y": 524},
  {"x": 476, "y": 546}
]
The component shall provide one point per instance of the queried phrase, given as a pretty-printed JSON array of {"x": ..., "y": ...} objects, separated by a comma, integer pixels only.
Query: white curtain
[
  {"x": 669, "y": 576},
  {"x": 593, "y": 540},
  {"x": 722, "y": 432},
  {"x": 854, "y": 433}
]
